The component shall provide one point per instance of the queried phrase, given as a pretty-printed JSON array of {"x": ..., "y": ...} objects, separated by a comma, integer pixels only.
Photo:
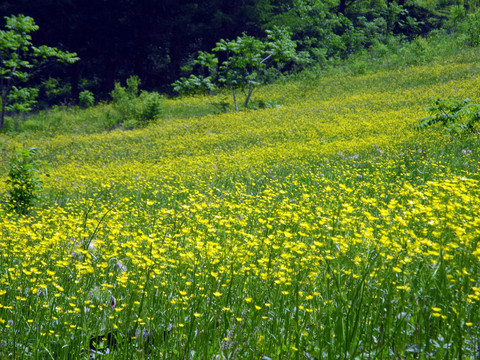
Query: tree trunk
[
  {"x": 5, "y": 87},
  {"x": 75, "y": 74},
  {"x": 234, "y": 99},
  {"x": 110, "y": 73},
  {"x": 3, "y": 99},
  {"x": 2, "y": 115},
  {"x": 250, "y": 92}
]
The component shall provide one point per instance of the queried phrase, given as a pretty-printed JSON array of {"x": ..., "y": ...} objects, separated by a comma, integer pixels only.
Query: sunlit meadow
[{"x": 324, "y": 228}]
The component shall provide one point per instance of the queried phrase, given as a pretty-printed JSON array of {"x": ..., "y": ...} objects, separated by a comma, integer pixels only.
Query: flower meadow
[{"x": 324, "y": 228}]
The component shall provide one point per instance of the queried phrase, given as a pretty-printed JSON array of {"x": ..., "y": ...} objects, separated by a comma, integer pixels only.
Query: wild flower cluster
[{"x": 326, "y": 228}]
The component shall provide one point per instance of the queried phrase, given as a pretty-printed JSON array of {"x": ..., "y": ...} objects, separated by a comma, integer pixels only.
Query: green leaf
[{"x": 18, "y": 59}]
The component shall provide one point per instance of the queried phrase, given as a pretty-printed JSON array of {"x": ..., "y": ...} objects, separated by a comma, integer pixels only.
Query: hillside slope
[{"x": 327, "y": 227}]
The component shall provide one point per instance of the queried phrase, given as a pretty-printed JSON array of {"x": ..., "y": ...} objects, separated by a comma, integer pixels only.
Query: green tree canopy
[
  {"x": 246, "y": 58},
  {"x": 18, "y": 58}
]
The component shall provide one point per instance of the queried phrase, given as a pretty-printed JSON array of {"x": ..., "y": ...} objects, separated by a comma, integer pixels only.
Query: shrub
[
  {"x": 134, "y": 109},
  {"x": 86, "y": 99},
  {"x": 471, "y": 28},
  {"x": 23, "y": 180},
  {"x": 150, "y": 107},
  {"x": 458, "y": 117}
]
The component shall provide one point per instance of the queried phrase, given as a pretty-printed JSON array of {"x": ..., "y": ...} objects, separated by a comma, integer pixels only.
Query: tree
[
  {"x": 18, "y": 59},
  {"x": 119, "y": 38},
  {"x": 246, "y": 59}
]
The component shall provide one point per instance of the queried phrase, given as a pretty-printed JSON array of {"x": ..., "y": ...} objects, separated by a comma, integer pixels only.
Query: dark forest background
[{"x": 157, "y": 40}]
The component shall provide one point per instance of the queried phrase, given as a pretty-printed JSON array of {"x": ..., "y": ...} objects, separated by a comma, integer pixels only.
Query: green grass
[{"x": 326, "y": 228}]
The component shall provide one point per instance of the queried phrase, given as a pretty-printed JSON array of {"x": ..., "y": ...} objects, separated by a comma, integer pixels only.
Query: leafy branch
[
  {"x": 458, "y": 117},
  {"x": 18, "y": 59}
]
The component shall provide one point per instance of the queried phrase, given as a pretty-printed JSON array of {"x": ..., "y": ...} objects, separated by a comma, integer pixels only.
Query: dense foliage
[
  {"x": 23, "y": 182},
  {"x": 458, "y": 117},
  {"x": 19, "y": 57},
  {"x": 159, "y": 40}
]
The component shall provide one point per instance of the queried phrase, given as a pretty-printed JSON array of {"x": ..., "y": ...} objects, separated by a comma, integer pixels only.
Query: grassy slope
[
  {"x": 317, "y": 116},
  {"x": 283, "y": 219}
]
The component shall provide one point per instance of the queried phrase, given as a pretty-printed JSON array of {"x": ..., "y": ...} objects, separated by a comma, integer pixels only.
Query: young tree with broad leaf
[
  {"x": 247, "y": 58},
  {"x": 18, "y": 59}
]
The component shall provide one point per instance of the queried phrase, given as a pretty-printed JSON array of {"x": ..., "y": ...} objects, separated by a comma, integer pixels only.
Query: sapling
[
  {"x": 23, "y": 180},
  {"x": 247, "y": 57}
]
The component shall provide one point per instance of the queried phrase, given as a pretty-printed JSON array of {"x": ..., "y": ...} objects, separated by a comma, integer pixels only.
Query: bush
[
  {"x": 23, "y": 180},
  {"x": 86, "y": 99},
  {"x": 471, "y": 28},
  {"x": 194, "y": 84},
  {"x": 134, "y": 109},
  {"x": 458, "y": 117},
  {"x": 150, "y": 107},
  {"x": 417, "y": 51}
]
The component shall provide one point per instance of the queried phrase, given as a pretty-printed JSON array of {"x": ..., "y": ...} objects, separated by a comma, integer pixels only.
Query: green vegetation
[
  {"x": 316, "y": 223},
  {"x": 23, "y": 182},
  {"x": 244, "y": 67},
  {"x": 458, "y": 117},
  {"x": 394, "y": 54},
  {"x": 327, "y": 227},
  {"x": 132, "y": 109},
  {"x": 16, "y": 64},
  {"x": 86, "y": 99},
  {"x": 160, "y": 43}
]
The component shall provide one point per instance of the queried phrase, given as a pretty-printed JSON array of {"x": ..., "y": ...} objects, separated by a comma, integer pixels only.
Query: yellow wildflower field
[{"x": 326, "y": 227}]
